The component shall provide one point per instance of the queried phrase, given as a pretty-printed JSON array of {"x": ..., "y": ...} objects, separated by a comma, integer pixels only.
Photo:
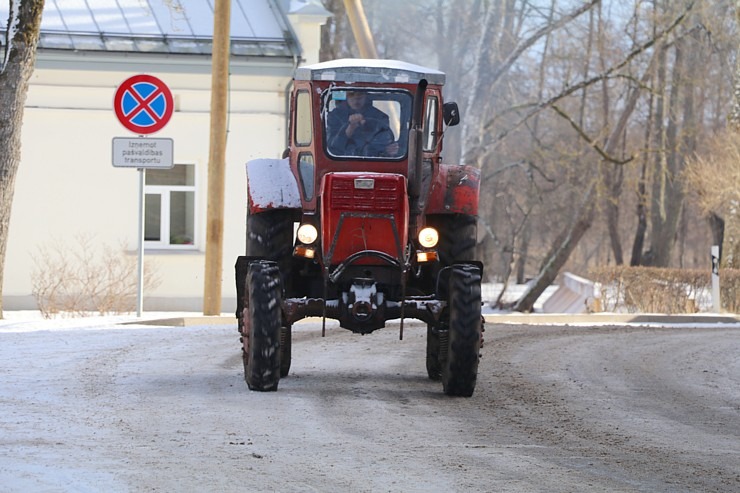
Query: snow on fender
[{"x": 271, "y": 185}]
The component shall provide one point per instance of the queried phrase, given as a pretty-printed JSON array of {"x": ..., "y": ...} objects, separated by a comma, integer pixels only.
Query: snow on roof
[
  {"x": 369, "y": 70},
  {"x": 308, "y": 7},
  {"x": 258, "y": 27}
]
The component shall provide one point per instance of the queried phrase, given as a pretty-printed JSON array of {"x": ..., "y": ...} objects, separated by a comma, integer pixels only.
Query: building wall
[{"x": 66, "y": 186}]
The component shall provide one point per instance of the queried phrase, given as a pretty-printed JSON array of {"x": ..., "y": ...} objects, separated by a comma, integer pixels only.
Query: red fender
[
  {"x": 271, "y": 185},
  {"x": 455, "y": 190}
]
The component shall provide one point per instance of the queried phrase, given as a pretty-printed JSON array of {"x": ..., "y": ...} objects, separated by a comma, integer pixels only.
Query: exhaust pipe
[{"x": 415, "y": 144}]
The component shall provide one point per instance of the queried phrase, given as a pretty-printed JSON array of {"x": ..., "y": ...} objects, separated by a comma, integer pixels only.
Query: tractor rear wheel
[
  {"x": 270, "y": 236},
  {"x": 460, "y": 367},
  {"x": 457, "y": 237},
  {"x": 261, "y": 327},
  {"x": 457, "y": 240},
  {"x": 434, "y": 366}
]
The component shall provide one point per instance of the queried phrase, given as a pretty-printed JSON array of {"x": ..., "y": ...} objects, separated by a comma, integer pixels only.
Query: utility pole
[
  {"x": 364, "y": 37},
  {"x": 360, "y": 28},
  {"x": 217, "y": 159}
]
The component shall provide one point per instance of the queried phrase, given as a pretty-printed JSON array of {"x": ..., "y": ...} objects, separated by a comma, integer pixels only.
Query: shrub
[
  {"x": 83, "y": 278},
  {"x": 659, "y": 290}
]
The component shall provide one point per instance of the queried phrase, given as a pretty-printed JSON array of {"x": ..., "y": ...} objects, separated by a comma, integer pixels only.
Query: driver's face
[{"x": 356, "y": 100}]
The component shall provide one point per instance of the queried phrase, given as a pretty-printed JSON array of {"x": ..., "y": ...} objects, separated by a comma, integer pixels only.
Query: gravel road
[{"x": 557, "y": 409}]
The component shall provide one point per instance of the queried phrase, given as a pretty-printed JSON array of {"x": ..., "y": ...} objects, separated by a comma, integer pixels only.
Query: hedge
[{"x": 661, "y": 290}]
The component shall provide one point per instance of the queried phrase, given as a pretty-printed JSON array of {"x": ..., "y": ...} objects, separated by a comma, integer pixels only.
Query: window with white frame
[{"x": 169, "y": 207}]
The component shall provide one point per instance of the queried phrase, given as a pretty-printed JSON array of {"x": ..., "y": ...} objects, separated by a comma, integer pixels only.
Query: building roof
[
  {"x": 369, "y": 70},
  {"x": 308, "y": 7},
  {"x": 258, "y": 27}
]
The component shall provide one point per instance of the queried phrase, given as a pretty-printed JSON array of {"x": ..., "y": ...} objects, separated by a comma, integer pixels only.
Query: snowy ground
[{"x": 91, "y": 404}]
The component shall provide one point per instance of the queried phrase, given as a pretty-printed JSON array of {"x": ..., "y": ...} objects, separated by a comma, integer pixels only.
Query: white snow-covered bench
[{"x": 574, "y": 295}]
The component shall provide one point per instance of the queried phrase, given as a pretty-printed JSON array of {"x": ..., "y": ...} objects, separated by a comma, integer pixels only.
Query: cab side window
[
  {"x": 430, "y": 124},
  {"x": 303, "y": 123}
]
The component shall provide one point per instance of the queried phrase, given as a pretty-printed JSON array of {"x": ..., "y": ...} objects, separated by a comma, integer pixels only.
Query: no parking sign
[{"x": 143, "y": 104}]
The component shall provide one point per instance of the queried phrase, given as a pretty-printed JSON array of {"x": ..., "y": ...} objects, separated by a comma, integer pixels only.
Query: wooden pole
[
  {"x": 217, "y": 159},
  {"x": 360, "y": 28}
]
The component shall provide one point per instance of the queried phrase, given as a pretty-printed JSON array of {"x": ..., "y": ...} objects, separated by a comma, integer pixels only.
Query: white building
[{"x": 67, "y": 188}]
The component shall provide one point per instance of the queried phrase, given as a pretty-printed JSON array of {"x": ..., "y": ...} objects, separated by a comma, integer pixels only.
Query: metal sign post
[
  {"x": 144, "y": 105},
  {"x": 140, "y": 288}
]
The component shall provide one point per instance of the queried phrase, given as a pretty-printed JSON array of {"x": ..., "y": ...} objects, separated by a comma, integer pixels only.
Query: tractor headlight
[
  {"x": 307, "y": 234},
  {"x": 428, "y": 237}
]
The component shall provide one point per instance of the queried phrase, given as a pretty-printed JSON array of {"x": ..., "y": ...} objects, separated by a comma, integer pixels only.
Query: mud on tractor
[{"x": 362, "y": 223}]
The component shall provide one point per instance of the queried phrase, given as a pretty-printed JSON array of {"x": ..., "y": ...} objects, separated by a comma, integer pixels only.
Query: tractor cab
[{"x": 358, "y": 115}]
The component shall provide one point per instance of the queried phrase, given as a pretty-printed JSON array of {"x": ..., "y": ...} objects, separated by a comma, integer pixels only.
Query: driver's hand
[
  {"x": 355, "y": 120},
  {"x": 391, "y": 149}
]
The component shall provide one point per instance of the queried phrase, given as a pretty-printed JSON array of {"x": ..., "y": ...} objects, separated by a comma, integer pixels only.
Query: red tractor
[{"x": 362, "y": 223}]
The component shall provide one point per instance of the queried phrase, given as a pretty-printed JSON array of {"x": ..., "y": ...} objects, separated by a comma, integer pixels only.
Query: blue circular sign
[{"x": 143, "y": 104}]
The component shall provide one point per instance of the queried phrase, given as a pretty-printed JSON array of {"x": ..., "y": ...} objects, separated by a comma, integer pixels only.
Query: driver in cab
[{"x": 357, "y": 128}]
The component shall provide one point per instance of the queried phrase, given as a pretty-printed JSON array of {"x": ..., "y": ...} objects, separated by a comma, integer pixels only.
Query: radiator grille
[{"x": 384, "y": 197}]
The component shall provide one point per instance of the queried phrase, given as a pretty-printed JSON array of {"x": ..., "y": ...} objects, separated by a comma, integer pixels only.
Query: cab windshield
[{"x": 367, "y": 123}]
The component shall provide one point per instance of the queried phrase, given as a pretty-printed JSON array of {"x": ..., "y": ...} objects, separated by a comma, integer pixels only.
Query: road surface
[{"x": 119, "y": 408}]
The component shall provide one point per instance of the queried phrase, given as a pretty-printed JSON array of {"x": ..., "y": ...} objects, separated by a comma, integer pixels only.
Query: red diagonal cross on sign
[
  {"x": 144, "y": 104},
  {"x": 157, "y": 119}
]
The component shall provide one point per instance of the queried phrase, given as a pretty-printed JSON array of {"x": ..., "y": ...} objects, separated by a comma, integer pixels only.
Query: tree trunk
[
  {"x": 559, "y": 254},
  {"x": 638, "y": 243},
  {"x": 336, "y": 35},
  {"x": 668, "y": 190},
  {"x": 659, "y": 178},
  {"x": 522, "y": 253},
  {"x": 475, "y": 106},
  {"x": 457, "y": 20},
  {"x": 614, "y": 178},
  {"x": 16, "y": 67},
  {"x": 734, "y": 116},
  {"x": 613, "y": 191}
]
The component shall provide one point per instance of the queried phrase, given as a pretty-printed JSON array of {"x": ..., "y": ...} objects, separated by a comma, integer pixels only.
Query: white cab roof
[{"x": 369, "y": 70}]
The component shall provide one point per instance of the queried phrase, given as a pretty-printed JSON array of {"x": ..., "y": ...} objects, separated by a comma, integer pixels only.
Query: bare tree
[
  {"x": 568, "y": 100},
  {"x": 714, "y": 175},
  {"x": 336, "y": 35},
  {"x": 16, "y": 66},
  {"x": 667, "y": 190},
  {"x": 611, "y": 168},
  {"x": 501, "y": 46}
]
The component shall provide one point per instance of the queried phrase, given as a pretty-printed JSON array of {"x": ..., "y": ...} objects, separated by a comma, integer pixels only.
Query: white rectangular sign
[{"x": 142, "y": 152}]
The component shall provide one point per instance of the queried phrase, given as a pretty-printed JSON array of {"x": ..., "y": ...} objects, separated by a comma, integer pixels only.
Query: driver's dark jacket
[{"x": 369, "y": 139}]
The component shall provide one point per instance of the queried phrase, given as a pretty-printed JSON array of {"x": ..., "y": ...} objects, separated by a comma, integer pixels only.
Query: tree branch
[
  {"x": 588, "y": 139},
  {"x": 527, "y": 43},
  {"x": 585, "y": 83}
]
